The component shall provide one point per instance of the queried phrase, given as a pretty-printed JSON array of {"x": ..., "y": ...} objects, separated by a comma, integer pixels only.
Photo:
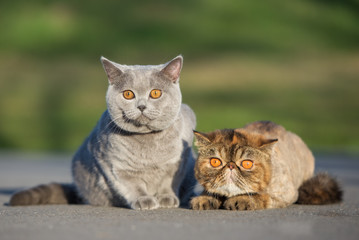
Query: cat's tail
[
  {"x": 53, "y": 193},
  {"x": 320, "y": 189}
]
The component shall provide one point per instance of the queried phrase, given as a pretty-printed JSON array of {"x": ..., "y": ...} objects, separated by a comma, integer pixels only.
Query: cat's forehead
[
  {"x": 224, "y": 136},
  {"x": 140, "y": 72},
  {"x": 239, "y": 137},
  {"x": 139, "y": 68},
  {"x": 141, "y": 77},
  {"x": 229, "y": 144},
  {"x": 233, "y": 152}
]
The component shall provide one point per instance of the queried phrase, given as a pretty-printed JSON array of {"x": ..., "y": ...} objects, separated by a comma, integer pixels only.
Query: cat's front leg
[
  {"x": 168, "y": 190},
  {"x": 247, "y": 202},
  {"x": 168, "y": 200},
  {"x": 139, "y": 199},
  {"x": 129, "y": 189},
  {"x": 145, "y": 203},
  {"x": 205, "y": 202}
]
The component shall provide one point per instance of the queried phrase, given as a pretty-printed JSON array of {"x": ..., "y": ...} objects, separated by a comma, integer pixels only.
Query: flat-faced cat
[
  {"x": 259, "y": 166},
  {"x": 139, "y": 154}
]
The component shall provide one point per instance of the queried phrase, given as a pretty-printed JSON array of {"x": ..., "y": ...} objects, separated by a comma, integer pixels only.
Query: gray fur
[{"x": 134, "y": 159}]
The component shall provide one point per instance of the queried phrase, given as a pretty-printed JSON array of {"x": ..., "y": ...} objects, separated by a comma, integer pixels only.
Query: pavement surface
[{"x": 18, "y": 171}]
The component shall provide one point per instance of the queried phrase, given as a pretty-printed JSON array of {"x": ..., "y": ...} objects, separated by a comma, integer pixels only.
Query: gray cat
[{"x": 139, "y": 154}]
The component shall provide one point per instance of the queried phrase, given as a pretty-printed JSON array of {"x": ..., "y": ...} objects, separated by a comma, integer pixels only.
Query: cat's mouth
[
  {"x": 228, "y": 186},
  {"x": 143, "y": 119},
  {"x": 228, "y": 190},
  {"x": 230, "y": 177},
  {"x": 138, "y": 119}
]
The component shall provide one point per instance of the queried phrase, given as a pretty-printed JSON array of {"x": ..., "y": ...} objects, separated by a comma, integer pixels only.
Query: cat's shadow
[{"x": 8, "y": 192}]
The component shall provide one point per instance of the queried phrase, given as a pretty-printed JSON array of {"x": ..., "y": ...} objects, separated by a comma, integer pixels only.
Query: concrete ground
[{"x": 18, "y": 171}]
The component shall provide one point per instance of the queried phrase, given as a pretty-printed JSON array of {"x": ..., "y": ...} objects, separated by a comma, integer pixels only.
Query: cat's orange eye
[
  {"x": 215, "y": 162},
  {"x": 155, "y": 93},
  {"x": 247, "y": 164},
  {"x": 128, "y": 94}
]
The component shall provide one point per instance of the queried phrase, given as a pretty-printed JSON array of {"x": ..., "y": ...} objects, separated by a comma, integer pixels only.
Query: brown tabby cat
[{"x": 259, "y": 166}]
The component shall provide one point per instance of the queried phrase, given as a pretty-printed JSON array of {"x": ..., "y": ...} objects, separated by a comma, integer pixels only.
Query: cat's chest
[{"x": 152, "y": 150}]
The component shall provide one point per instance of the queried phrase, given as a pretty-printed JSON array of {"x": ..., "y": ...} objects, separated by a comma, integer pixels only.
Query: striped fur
[{"x": 281, "y": 174}]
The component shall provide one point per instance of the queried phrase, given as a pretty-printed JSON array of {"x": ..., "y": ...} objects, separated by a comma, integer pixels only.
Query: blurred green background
[{"x": 294, "y": 62}]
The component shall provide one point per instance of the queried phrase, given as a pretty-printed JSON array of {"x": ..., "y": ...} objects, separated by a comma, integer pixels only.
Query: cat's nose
[
  {"x": 231, "y": 165},
  {"x": 142, "y": 108}
]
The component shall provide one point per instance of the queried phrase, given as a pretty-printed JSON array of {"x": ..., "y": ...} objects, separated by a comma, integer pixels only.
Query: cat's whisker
[
  {"x": 111, "y": 125},
  {"x": 246, "y": 188}
]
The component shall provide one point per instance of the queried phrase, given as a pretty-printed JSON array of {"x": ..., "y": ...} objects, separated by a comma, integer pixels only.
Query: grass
[
  {"x": 54, "y": 105},
  {"x": 294, "y": 63},
  {"x": 139, "y": 29},
  {"x": 316, "y": 98}
]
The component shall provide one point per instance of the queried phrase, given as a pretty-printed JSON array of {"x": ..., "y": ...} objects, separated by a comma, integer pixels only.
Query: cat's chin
[
  {"x": 228, "y": 190},
  {"x": 133, "y": 122},
  {"x": 142, "y": 120},
  {"x": 137, "y": 120},
  {"x": 131, "y": 128},
  {"x": 140, "y": 125}
]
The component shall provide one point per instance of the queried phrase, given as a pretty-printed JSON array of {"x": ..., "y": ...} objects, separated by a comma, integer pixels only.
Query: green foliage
[
  {"x": 315, "y": 98},
  {"x": 133, "y": 29},
  {"x": 294, "y": 62}
]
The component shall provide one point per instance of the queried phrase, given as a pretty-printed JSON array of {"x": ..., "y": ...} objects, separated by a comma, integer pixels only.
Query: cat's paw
[
  {"x": 205, "y": 203},
  {"x": 145, "y": 203},
  {"x": 168, "y": 201},
  {"x": 245, "y": 202}
]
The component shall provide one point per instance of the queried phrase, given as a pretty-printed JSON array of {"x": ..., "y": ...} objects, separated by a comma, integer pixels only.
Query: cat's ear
[
  {"x": 173, "y": 69},
  {"x": 267, "y": 144},
  {"x": 254, "y": 139},
  {"x": 113, "y": 72},
  {"x": 201, "y": 139}
]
